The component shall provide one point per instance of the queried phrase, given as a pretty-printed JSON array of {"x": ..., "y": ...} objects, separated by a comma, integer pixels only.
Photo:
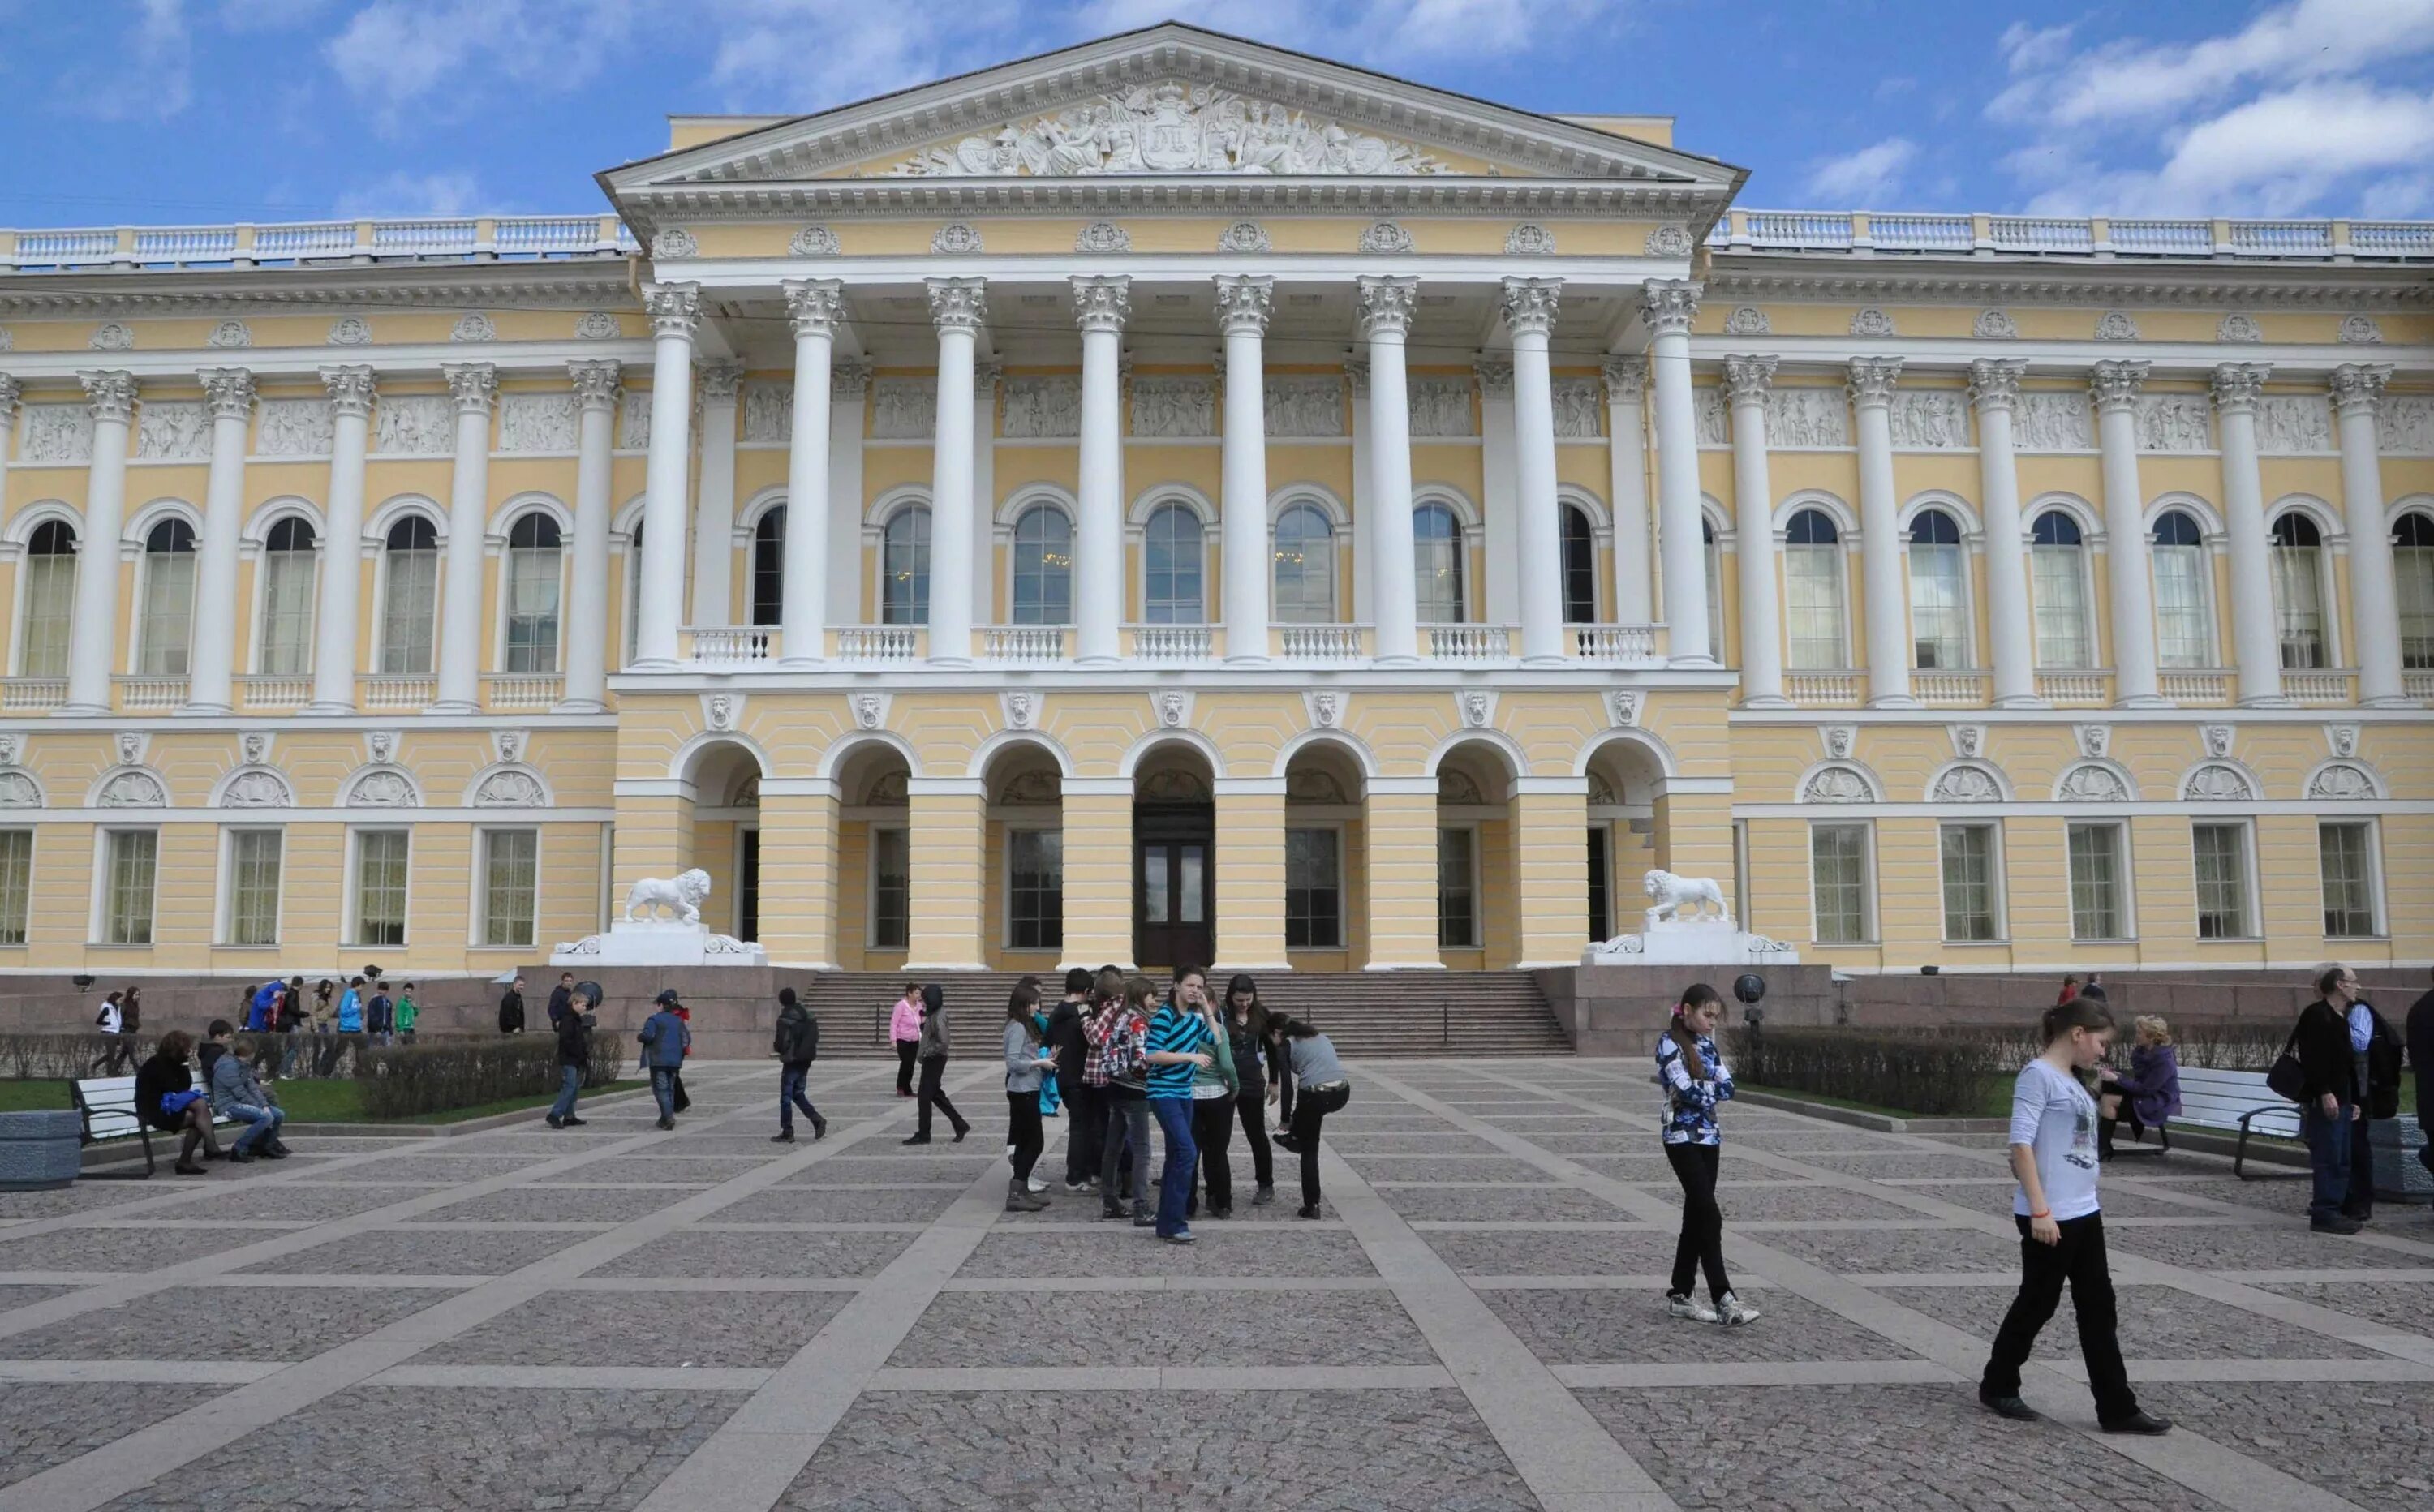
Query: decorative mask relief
[
  {"x": 719, "y": 711},
  {"x": 1838, "y": 738},
  {"x": 381, "y": 745},
  {"x": 2342, "y": 739},
  {"x": 2216, "y": 737},
  {"x": 2094, "y": 739},
  {"x": 508, "y": 744},
  {"x": 1325, "y": 707},
  {"x": 869, "y": 710},
  {"x": 1478, "y": 708},
  {"x": 256, "y": 746},
  {"x": 1968, "y": 740},
  {"x": 1625, "y": 707},
  {"x": 12, "y": 745},
  {"x": 1021, "y": 707},
  {"x": 1173, "y": 708},
  {"x": 130, "y": 747}
]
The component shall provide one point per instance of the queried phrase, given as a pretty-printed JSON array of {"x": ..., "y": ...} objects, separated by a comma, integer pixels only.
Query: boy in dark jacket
[
  {"x": 511, "y": 1010},
  {"x": 2331, "y": 1097},
  {"x": 574, "y": 1059},
  {"x": 665, "y": 1040},
  {"x": 796, "y": 1045}
]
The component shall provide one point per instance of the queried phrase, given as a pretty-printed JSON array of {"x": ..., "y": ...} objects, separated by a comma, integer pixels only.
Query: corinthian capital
[
  {"x": 1529, "y": 305},
  {"x": 1994, "y": 382},
  {"x": 817, "y": 306},
  {"x": 229, "y": 391},
  {"x": 1872, "y": 380},
  {"x": 1386, "y": 304},
  {"x": 1106, "y": 304},
  {"x": 111, "y": 393},
  {"x": 2360, "y": 386},
  {"x": 2116, "y": 385},
  {"x": 10, "y": 393},
  {"x": 1670, "y": 305},
  {"x": 352, "y": 389},
  {"x": 1244, "y": 302},
  {"x": 596, "y": 383},
  {"x": 2236, "y": 384},
  {"x": 1356, "y": 370},
  {"x": 1747, "y": 379},
  {"x": 958, "y": 304},
  {"x": 849, "y": 379},
  {"x": 1626, "y": 380},
  {"x": 1495, "y": 377},
  {"x": 719, "y": 381},
  {"x": 473, "y": 385},
  {"x": 675, "y": 309}
]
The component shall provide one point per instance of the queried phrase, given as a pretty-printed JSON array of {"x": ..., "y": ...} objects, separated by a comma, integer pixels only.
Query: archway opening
[
  {"x": 1623, "y": 840},
  {"x": 874, "y": 858},
  {"x": 1476, "y": 884},
  {"x": 1175, "y": 857},
  {"x": 1326, "y": 860},
  {"x": 1025, "y": 903},
  {"x": 726, "y": 835}
]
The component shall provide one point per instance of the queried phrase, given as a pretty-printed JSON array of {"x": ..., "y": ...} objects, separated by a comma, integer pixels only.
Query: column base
[
  {"x": 948, "y": 661},
  {"x": 451, "y": 705},
  {"x": 1400, "y": 659},
  {"x": 1248, "y": 661},
  {"x": 83, "y": 711},
  {"x": 1404, "y": 965},
  {"x": 1098, "y": 661},
  {"x": 2270, "y": 700},
  {"x": 2021, "y": 700},
  {"x": 203, "y": 711},
  {"x": 934, "y": 965},
  {"x": 1894, "y": 700},
  {"x": 320, "y": 711},
  {"x": 1695, "y": 663},
  {"x": 2145, "y": 701},
  {"x": 801, "y": 664},
  {"x": 2393, "y": 700},
  {"x": 1765, "y": 701},
  {"x": 1550, "y": 660},
  {"x": 578, "y": 706},
  {"x": 653, "y": 664}
]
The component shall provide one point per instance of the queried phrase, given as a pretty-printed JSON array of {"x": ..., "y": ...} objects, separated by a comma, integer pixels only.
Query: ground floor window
[
  {"x": 2096, "y": 883},
  {"x": 380, "y": 887},
  {"x": 1457, "y": 888},
  {"x": 1034, "y": 903},
  {"x": 133, "y": 862},
  {"x": 890, "y": 890},
  {"x": 1838, "y": 856},
  {"x": 510, "y": 885},
  {"x": 1970, "y": 886},
  {"x": 1314, "y": 891},
  {"x": 747, "y": 878},
  {"x": 16, "y": 884},
  {"x": 1601, "y": 894},
  {"x": 2222, "y": 859},
  {"x": 2346, "y": 851},
  {"x": 254, "y": 858}
]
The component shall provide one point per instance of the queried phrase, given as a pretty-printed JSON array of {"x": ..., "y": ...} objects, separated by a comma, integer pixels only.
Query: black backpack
[{"x": 803, "y": 1040}]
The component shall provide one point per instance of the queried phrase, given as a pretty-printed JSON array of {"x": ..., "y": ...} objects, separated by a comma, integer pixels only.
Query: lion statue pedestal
[
  {"x": 1688, "y": 925},
  {"x": 661, "y": 927}
]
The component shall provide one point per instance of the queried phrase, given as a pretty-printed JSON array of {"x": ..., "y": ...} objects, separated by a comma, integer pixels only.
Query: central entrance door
[{"x": 1174, "y": 876}]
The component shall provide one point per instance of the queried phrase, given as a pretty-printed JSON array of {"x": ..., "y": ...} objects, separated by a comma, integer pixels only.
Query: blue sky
[{"x": 169, "y": 111}]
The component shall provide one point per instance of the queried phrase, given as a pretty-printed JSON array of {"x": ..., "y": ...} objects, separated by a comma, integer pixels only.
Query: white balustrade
[
  {"x": 2317, "y": 688},
  {"x": 2066, "y": 236},
  {"x": 442, "y": 238},
  {"x": 32, "y": 695},
  {"x": 2039, "y": 233},
  {"x": 392, "y": 692},
  {"x": 733, "y": 643},
  {"x": 1615, "y": 643},
  {"x": 305, "y": 242},
  {"x": 2282, "y": 238},
  {"x": 521, "y": 690},
  {"x": 1920, "y": 233},
  {"x": 2163, "y": 238},
  {"x": 1023, "y": 642},
  {"x": 2074, "y": 689},
  {"x": 1171, "y": 642},
  {"x": 876, "y": 643},
  {"x": 2191, "y": 686},
  {"x": 265, "y": 692},
  {"x": 1948, "y": 690},
  {"x": 144, "y": 695},
  {"x": 1823, "y": 689},
  {"x": 2416, "y": 685},
  {"x": 1336, "y": 642},
  {"x": 1469, "y": 642},
  {"x": 2393, "y": 238}
]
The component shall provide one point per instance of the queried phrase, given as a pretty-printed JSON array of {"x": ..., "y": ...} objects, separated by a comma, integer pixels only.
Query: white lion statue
[
  {"x": 682, "y": 897},
  {"x": 1670, "y": 894}
]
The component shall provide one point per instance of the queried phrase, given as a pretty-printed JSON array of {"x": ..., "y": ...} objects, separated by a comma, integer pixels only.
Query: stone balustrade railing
[
  {"x": 1867, "y": 233},
  {"x": 422, "y": 239}
]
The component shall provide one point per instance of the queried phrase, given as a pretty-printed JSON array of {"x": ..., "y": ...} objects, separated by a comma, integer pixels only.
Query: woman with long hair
[
  {"x": 2062, "y": 1230},
  {"x": 932, "y": 1046},
  {"x": 166, "y": 1099},
  {"x": 1246, "y": 1038},
  {"x": 1027, "y": 1059},
  {"x": 2147, "y": 1093},
  {"x": 1695, "y": 1079},
  {"x": 1118, "y": 1038},
  {"x": 1180, "y": 1044},
  {"x": 1213, "y": 1090},
  {"x": 1323, "y": 1089}
]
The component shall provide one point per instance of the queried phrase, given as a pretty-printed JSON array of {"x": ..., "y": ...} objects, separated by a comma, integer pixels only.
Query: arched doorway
[
  {"x": 1623, "y": 837},
  {"x": 1024, "y": 907},
  {"x": 1175, "y": 858},
  {"x": 1325, "y": 858},
  {"x": 874, "y": 858},
  {"x": 1477, "y": 887},
  {"x": 726, "y": 778}
]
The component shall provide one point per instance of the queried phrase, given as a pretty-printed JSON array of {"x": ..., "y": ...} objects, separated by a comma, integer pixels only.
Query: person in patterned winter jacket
[{"x": 1695, "y": 1079}]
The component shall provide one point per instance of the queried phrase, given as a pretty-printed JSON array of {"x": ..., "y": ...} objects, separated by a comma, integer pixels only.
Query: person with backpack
[
  {"x": 1180, "y": 1044},
  {"x": 511, "y": 1010},
  {"x": 797, "y": 1045},
  {"x": 1086, "y": 1111},
  {"x": 1027, "y": 1059},
  {"x": 666, "y": 1039},
  {"x": 350, "y": 1007},
  {"x": 263, "y": 1006},
  {"x": 116, "y": 1043},
  {"x": 1115, "y": 1066},
  {"x": 932, "y": 1046}
]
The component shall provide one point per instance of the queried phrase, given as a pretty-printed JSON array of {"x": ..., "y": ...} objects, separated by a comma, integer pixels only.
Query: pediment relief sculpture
[{"x": 1169, "y": 127}]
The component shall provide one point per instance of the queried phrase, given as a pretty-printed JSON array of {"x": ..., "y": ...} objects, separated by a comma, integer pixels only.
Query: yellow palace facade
[{"x": 1176, "y": 498}]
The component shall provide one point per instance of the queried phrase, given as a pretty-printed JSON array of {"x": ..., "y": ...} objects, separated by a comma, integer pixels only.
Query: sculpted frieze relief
[
  {"x": 634, "y": 421},
  {"x": 1441, "y": 406},
  {"x": 58, "y": 433},
  {"x": 537, "y": 422},
  {"x": 2173, "y": 423},
  {"x": 1175, "y": 406},
  {"x": 1048, "y": 406},
  {"x": 1715, "y": 423},
  {"x": 769, "y": 412},
  {"x": 2044, "y": 420},
  {"x": 2295, "y": 423},
  {"x": 418, "y": 425},
  {"x": 1304, "y": 406},
  {"x": 2404, "y": 424},
  {"x": 295, "y": 428},
  {"x": 1580, "y": 408},
  {"x": 903, "y": 409},
  {"x": 1169, "y": 127},
  {"x": 1797, "y": 417},
  {"x": 1931, "y": 419},
  {"x": 173, "y": 431}
]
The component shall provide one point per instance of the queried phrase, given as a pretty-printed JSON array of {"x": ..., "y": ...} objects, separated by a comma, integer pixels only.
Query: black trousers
[
  {"x": 905, "y": 1051},
  {"x": 1251, "y": 1107},
  {"x": 934, "y": 1096},
  {"x": 1212, "y": 1128},
  {"x": 1702, "y": 1244},
  {"x": 1086, "y": 1115},
  {"x": 1024, "y": 1132},
  {"x": 1310, "y": 1110},
  {"x": 2360, "y": 1202},
  {"x": 2078, "y": 1259},
  {"x": 1123, "y": 1155}
]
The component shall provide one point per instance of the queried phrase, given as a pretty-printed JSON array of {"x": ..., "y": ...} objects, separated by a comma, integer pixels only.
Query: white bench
[
  {"x": 2238, "y": 1101},
  {"x": 106, "y": 1105}
]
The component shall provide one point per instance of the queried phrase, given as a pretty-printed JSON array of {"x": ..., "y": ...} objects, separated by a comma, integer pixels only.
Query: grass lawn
[{"x": 310, "y": 1100}]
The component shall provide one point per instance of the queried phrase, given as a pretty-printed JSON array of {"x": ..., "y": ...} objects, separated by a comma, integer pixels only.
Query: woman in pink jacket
[{"x": 905, "y": 1028}]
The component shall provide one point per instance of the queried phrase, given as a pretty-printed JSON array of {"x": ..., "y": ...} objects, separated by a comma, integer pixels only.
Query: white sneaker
[
  {"x": 1690, "y": 1307},
  {"x": 1732, "y": 1311},
  {"x": 1039, "y": 1185}
]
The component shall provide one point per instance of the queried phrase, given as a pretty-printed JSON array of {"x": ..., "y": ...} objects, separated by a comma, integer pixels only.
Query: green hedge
[
  {"x": 406, "y": 1080},
  {"x": 1940, "y": 1074}
]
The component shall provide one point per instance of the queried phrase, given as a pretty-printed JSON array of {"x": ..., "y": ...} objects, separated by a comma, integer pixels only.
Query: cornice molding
[
  {"x": 1838, "y": 279},
  {"x": 505, "y": 287}
]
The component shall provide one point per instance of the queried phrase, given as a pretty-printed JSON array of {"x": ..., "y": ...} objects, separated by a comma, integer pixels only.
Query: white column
[
  {"x": 675, "y": 311},
  {"x": 1386, "y": 314},
  {"x": 1101, "y": 306},
  {"x": 1243, "y": 304},
  {"x": 988, "y": 583},
  {"x": 957, "y": 308},
  {"x": 1746, "y": 380},
  {"x": 1529, "y": 309},
  {"x": 2117, "y": 386},
  {"x": 1669, "y": 306},
  {"x": 92, "y": 641},
  {"x": 714, "y": 509},
  {"x": 2255, "y": 647},
  {"x": 596, "y": 388},
  {"x": 2375, "y": 597},
  {"x": 1364, "y": 498},
  {"x": 351, "y": 392},
  {"x": 1626, "y": 426},
  {"x": 211, "y": 676},
  {"x": 475, "y": 388},
  {"x": 1994, "y": 389},
  {"x": 849, "y": 399},
  {"x": 1499, "y": 493},
  {"x": 1886, "y": 584},
  {"x": 816, "y": 306}
]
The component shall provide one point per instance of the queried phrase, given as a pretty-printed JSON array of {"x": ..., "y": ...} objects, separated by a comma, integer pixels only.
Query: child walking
[{"x": 1695, "y": 1079}]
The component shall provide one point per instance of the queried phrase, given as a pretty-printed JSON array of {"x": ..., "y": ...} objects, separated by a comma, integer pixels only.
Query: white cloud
[
  {"x": 151, "y": 75},
  {"x": 414, "y": 194},
  {"x": 805, "y": 55},
  {"x": 1868, "y": 179},
  {"x": 400, "y": 54}
]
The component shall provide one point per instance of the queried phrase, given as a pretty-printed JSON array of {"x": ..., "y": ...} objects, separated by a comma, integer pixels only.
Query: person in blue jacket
[
  {"x": 350, "y": 1007},
  {"x": 260, "y": 1009},
  {"x": 666, "y": 1039},
  {"x": 1696, "y": 1079}
]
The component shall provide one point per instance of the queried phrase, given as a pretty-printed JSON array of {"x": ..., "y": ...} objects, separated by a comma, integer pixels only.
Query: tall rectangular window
[
  {"x": 16, "y": 884},
  {"x": 532, "y": 610},
  {"x": 255, "y": 857},
  {"x": 2221, "y": 859},
  {"x": 2096, "y": 883},
  {"x": 1314, "y": 891},
  {"x": 2184, "y": 626},
  {"x": 166, "y": 628},
  {"x": 1813, "y": 601},
  {"x": 409, "y": 611},
  {"x": 2346, "y": 853},
  {"x": 1034, "y": 903},
  {"x": 890, "y": 889},
  {"x": 1838, "y": 856},
  {"x": 133, "y": 859},
  {"x": 1601, "y": 882},
  {"x": 287, "y": 612},
  {"x": 48, "y": 580},
  {"x": 1457, "y": 889},
  {"x": 2058, "y": 590},
  {"x": 510, "y": 885},
  {"x": 380, "y": 887},
  {"x": 1970, "y": 887}
]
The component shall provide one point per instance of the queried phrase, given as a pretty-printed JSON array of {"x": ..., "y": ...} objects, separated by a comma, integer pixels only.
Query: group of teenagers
[{"x": 278, "y": 1015}]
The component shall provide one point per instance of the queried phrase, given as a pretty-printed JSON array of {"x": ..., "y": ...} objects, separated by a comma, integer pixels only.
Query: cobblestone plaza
[{"x": 616, "y": 1318}]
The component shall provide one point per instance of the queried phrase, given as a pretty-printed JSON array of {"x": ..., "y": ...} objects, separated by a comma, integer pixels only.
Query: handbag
[{"x": 2289, "y": 1079}]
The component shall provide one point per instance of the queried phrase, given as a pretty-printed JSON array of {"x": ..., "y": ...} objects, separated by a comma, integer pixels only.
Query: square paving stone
[
  {"x": 1865, "y": 1251},
  {"x": 2404, "y": 1306},
  {"x": 738, "y": 1146},
  {"x": 1082, "y": 1209},
  {"x": 1129, "y": 1327},
  {"x": 121, "y": 1248},
  {"x": 1996, "y": 1197},
  {"x": 475, "y": 1449},
  {"x": 857, "y": 1170},
  {"x": 447, "y": 1169},
  {"x": 1495, "y": 1205},
  {"x": 2371, "y": 1445},
  {"x": 1552, "y": 1253},
  {"x": 2155, "y": 1324},
  {"x": 1120, "y": 1250},
  {"x": 1350, "y": 1142},
  {"x": 674, "y": 1170},
  {"x": 1631, "y": 1327},
  {"x": 2288, "y": 1195},
  {"x": 1621, "y": 1142},
  {"x": 1793, "y": 1140},
  {"x": 12, "y": 1298},
  {"x": 84, "y": 1196},
  {"x": 287, "y": 1203},
  {"x": 2217, "y": 1247},
  {"x": 1370, "y": 1451},
  {"x": 43, "y": 1425},
  {"x": 1422, "y": 1168},
  {"x": 707, "y": 1330},
  {"x": 838, "y": 1205},
  {"x": 1648, "y": 1168},
  {"x": 1745, "y": 1203},
  {"x": 422, "y": 1252},
  {"x": 221, "y": 1323},
  {"x": 752, "y": 1256},
  {"x": 1795, "y": 1449},
  {"x": 561, "y": 1204},
  {"x": 1927, "y": 1168}
]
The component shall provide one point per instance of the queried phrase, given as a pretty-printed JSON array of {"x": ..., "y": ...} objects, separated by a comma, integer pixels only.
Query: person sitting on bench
[
  {"x": 165, "y": 1099},
  {"x": 237, "y": 1094},
  {"x": 2149, "y": 1093}
]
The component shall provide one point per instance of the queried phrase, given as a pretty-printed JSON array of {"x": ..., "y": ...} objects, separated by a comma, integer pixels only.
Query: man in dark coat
[
  {"x": 561, "y": 998},
  {"x": 2421, "y": 1056},
  {"x": 511, "y": 1009},
  {"x": 797, "y": 1045}
]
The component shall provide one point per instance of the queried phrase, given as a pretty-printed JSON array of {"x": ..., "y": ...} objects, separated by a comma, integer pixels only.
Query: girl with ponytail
[{"x": 1695, "y": 1079}]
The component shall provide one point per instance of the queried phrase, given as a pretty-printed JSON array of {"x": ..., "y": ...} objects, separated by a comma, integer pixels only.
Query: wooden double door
[{"x": 1174, "y": 884}]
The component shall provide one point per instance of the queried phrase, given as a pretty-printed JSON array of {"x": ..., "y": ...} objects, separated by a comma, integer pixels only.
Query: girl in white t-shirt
[{"x": 2062, "y": 1230}]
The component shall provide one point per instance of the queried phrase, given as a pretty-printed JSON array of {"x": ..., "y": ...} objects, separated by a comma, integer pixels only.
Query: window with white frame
[
  {"x": 409, "y": 597},
  {"x": 2413, "y": 561},
  {"x": 1938, "y": 593},
  {"x": 2184, "y": 607},
  {"x": 904, "y": 568},
  {"x": 1305, "y": 566},
  {"x": 254, "y": 858},
  {"x": 1436, "y": 566},
  {"x": 890, "y": 889},
  {"x": 1580, "y": 566},
  {"x": 2346, "y": 855},
  {"x": 1173, "y": 548},
  {"x": 379, "y": 914},
  {"x": 2298, "y": 555},
  {"x": 1812, "y": 581},
  {"x": 16, "y": 884},
  {"x": 1035, "y": 890},
  {"x": 2098, "y": 882},
  {"x": 164, "y": 632},
  {"x": 2220, "y": 855},
  {"x": 1313, "y": 890},
  {"x": 769, "y": 567},
  {"x": 532, "y": 594},
  {"x": 1043, "y": 567},
  {"x": 1457, "y": 888},
  {"x": 2058, "y": 592},
  {"x": 1840, "y": 886},
  {"x": 130, "y": 864},
  {"x": 48, "y": 591},
  {"x": 1972, "y": 883},
  {"x": 510, "y": 885},
  {"x": 287, "y": 570}
]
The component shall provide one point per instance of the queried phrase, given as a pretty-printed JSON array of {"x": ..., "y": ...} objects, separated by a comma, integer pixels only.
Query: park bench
[
  {"x": 2236, "y": 1100},
  {"x": 106, "y": 1105}
]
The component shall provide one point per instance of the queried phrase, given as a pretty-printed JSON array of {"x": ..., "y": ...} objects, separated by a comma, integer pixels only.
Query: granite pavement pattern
[{"x": 617, "y": 1317}]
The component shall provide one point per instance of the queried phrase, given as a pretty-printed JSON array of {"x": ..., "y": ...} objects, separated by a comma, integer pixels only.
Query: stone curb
[
  {"x": 124, "y": 1149},
  {"x": 1881, "y": 1123}
]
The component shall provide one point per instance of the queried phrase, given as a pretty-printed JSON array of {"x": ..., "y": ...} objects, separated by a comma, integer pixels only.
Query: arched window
[
  {"x": 532, "y": 594},
  {"x": 50, "y": 600},
  {"x": 2058, "y": 590},
  {"x": 1812, "y": 576},
  {"x": 287, "y": 598},
  {"x": 1580, "y": 567},
  {"x": 1939, "y": 592},
  {"x": 769, "y": 567},
  {"x": 2184, "y": 616},
  {"x": 1436, "y": 566},
  {"x": 1304, "y": 561},
  {"x": 2299, "y": 590},
  {"x": 409, "y": 597},
  {"x": 1043, "y": 567},
  {"x": 1712, "y": 552},
  {"x": 904, "y": 568},
  {"x": 1172, "y": 545},
  {"x": 634, "y": 592},
  {"x": 2412, "y": 559},
  {"x": 164, "y": 634}
]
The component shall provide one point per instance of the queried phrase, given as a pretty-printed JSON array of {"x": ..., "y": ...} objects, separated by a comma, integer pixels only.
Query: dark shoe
[
  {"x": 1180, "y": 1236},
  {"x": 2335, "y": 1225},
  {"x": 902, "y": 1093},
  {"x": 1110, "y": 1211},
  {"x": 819, "y": 1130},
  {"x": 668, "y": 1124},
  {"x": 2140, "y": 1421},
  {"x": 917, "y": 1139},
  {"x": 573, "y": 1122},
  {"x": 783, "y": 1137},
  {"x": 2008, "y": 1407},
  {"x": 1143, "y": 1218},
  {"x": 1306, "y": 1213},
  {"x": 188, "y": 1168},
  {"x": 1263, "y": 1196},
  {"x": 277, "y": 1152},
  {"x": 1221, "y": 1213},
  {"x": 2357, "y": 1216},
  {"x": 555, "y": 1121},
  {"x": 961, "y": 1133},
  {"x": 240, "y": 1157}
]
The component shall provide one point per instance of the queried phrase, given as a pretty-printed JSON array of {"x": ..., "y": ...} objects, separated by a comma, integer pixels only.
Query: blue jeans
[
  {"x": 2328, "y": 1154},
  {"x": 570, "y": 1082},
  {"x": 663, "y": 1089},
  {"x": 790, "y": 1096},
  {"x": 265, "y": 1125},
  {"x": 1173, "y": 1116}
]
